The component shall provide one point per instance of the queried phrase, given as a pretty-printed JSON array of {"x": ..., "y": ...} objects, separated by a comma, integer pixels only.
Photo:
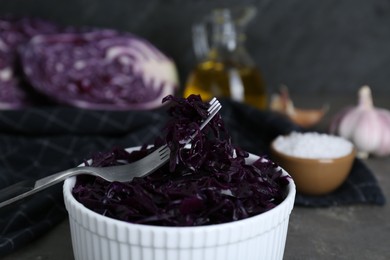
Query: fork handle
[
  {"x": 29, "y": 187},
  {"x": 60, "y": 176},
  {"x": 8, "y": 194}
]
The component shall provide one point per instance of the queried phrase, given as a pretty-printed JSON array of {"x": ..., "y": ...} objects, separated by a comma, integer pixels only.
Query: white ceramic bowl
[{"x": 96, "y": 237}]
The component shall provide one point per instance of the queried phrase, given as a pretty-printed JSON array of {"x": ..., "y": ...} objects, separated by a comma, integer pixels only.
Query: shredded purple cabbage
[
  {"x": 99, "y": 69},
  {"x": 208, "y": 183}
]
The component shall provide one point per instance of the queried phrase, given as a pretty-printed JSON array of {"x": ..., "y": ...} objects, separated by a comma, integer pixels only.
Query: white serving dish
[{"x": 96, "y": 237}]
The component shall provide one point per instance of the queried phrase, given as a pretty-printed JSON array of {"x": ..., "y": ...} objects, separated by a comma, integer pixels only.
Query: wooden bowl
[{"x": 315, "y": 176}]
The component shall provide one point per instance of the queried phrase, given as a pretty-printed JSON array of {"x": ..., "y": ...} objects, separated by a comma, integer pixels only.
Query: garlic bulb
[
  {"x": 303, "y": 117},
  {"x": 365, "y": 125}
]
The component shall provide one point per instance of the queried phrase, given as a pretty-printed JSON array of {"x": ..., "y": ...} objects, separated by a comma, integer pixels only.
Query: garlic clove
[
  {"x": 366, "y": 126},
  {"x": 368, "y": 133},
  {"x": 337, "y": 119},
  {"x": 384, "y": 147},
  {"x": 348, "y": 122}
]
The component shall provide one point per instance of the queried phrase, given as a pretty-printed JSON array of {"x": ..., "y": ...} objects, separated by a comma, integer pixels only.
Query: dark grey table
[{"x": 345, "y": 232}]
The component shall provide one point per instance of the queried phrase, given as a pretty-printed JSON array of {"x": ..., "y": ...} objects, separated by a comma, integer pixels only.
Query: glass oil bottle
[{"x": 225, "y": 69}]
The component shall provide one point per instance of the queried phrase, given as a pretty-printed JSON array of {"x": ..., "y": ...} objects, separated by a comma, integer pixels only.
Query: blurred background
[
  {"x": 313, "y": 47},
  {"x": 323, "y": 51}
]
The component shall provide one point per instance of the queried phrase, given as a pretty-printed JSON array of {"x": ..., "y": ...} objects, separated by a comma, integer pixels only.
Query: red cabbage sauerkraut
[{"x": 207, "y": 183}]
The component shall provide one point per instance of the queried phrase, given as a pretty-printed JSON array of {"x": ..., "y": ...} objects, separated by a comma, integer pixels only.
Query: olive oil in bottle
[
  {"x": 243, "y": 84},
  {"x": 225, "y": 69}
]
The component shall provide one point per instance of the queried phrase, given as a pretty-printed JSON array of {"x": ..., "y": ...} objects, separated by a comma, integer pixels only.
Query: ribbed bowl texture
[{"x": 96, "y": 237}]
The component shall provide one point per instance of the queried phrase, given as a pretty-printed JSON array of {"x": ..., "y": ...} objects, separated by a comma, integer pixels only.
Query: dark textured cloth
[{"x": 39, "y": 141}]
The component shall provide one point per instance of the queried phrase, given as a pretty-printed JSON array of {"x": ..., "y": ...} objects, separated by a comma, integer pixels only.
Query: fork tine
[
  {"x": 213, "y": 104},
  {"x": 214, "y": 110},
  {"x": 213, "y": 100},
  {"x": 215, "y": 107},
  {"x": 162, "y": 148},
  {"x": 164, "y": 153}
]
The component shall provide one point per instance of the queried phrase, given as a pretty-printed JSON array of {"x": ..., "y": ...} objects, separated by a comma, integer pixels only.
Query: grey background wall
[{"x": 314, "y": 47}]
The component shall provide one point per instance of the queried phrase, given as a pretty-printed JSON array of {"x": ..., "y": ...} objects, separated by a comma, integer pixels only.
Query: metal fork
[{"x": 122, "y": 173}]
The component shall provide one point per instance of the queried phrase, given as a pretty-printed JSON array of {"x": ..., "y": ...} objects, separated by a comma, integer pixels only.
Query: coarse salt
[{"x": 313, "y": 145}]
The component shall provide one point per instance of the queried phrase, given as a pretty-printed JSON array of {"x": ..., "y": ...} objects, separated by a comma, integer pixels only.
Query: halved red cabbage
[
  {"x": 14, "y": 32},
  {"x": 210, "y": 183},
  {"x": 99, "y": 69}
]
